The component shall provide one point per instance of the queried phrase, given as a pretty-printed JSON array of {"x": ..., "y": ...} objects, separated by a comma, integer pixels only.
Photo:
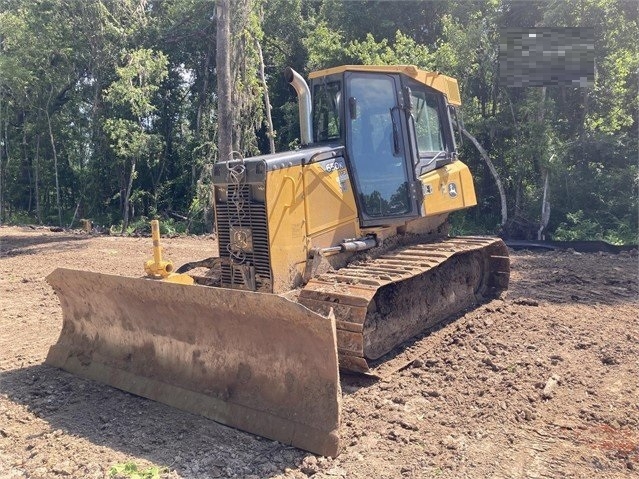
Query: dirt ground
[{"x": 541, "y": 383}]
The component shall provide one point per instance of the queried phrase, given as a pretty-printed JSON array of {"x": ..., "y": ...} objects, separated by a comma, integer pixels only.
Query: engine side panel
[
  {"x": 286, "y": 226},
  {"x": 331, "y": 212},
  {"x": 272, "y": 209}
]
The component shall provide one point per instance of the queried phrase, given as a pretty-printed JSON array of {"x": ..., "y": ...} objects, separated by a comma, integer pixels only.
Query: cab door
[{"x": 377, "y": 148}]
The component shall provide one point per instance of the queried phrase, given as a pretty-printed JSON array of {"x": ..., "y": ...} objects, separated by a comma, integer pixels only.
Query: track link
[{"x": 380, "y": 303}]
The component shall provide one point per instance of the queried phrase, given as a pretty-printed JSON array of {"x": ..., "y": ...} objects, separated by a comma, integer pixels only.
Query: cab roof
[{"x": 445, "y": 84}]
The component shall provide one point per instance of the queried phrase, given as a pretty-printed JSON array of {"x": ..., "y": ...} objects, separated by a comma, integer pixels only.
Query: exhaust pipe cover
[{"x": 304, "y": 104}]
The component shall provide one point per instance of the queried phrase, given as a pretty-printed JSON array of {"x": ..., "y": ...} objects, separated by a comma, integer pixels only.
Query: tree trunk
[
  {"x": 1, "y": 170},
  {"x": 493, "y": 171},
  {"x": 4, "y": 148},
  {"x": 26, "y": 167},
  {"x": 75, "y": 214},
  {"x": 267, "y": 101},
  {"x": 545, "y": 208},
  {"x": 127, "y": 195},
  {"x": 55, "y": 161},
  {"x": 36, "y": 174},
  {"x": 203, "y": 136},
  {"x": 544, "y": 171},
  {"x": 203, "y": 93},
  {"x": 223, "y": 65},
  {"x": 542, "y": 106}
]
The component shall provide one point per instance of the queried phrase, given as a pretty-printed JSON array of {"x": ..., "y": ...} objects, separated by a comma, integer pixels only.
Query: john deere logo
[
  {"x": 452, "y": 190},
  {"x": 241, "y": 239}
]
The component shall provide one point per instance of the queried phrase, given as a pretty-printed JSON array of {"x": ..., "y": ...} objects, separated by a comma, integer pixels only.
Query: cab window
[
  {"x": 427, "y": 122},
  {"x": 326, "y": 111}
]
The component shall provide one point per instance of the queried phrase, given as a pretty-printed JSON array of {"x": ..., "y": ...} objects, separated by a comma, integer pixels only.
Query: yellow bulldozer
[{"x": 330, "y": 257}]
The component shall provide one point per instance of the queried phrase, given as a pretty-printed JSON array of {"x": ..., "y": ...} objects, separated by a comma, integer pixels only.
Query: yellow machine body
[
  {"x": 310, "y": 208},
  {"x": 442, "y": 83},
  {"x": 296, "y": 224},
  {"x": 448, "y": 189}
]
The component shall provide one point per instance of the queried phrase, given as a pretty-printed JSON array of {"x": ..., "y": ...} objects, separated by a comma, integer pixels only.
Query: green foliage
[
  {"x": 325, "y": 46},
  {"x": 130, "y": 140},
  {"x": 129, "y": 89},
  {"x": 403, "y": 51},
  {"x": 579, "y": 227},
  {"x": 20, "y": 218},
  {"x": 172, "y": 227},
  {"x": 142, "y": 227},
  {"x": 199, "y": 214},
  {"x": 138, "y": 82},
  {"x": 465, "y": 223},
  {"x": 130, "y": 470}
]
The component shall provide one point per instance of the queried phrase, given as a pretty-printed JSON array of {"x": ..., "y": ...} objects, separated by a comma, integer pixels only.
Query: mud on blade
[{"x": 257, "y": 362}]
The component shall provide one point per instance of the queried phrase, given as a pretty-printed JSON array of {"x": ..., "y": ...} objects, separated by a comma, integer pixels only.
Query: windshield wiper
[{"x": 439, "y": 162}]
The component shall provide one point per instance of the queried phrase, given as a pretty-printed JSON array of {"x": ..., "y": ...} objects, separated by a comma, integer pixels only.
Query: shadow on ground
[
  {"x": 191, "y": 445},
  {"x": 32, "y": 244}
]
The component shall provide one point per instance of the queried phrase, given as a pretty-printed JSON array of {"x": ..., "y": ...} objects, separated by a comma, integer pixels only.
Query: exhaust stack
[{"x": 305, "y": 106}]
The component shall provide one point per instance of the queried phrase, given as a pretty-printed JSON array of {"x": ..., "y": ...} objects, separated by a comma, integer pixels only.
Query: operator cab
[{"x": 394, "y": 127}]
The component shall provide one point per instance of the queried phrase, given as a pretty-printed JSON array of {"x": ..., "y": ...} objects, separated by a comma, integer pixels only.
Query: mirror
[
  {"x": 407, "y": 98},
  {"x": 458, "y": 122},
  {"x": 352, "y": 107}
]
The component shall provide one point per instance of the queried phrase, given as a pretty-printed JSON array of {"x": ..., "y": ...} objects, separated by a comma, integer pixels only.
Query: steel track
[{"x": 353, "y": 292}]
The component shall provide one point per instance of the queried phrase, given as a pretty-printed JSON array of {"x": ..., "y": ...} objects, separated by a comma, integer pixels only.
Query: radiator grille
[{"x": 253, "y": 216}]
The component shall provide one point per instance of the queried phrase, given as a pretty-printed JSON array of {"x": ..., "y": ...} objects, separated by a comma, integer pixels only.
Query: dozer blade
[{"x": 257, "y": 362}]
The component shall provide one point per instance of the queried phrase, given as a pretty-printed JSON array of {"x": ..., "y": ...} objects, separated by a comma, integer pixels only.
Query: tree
[
  {"x": 223, "y": 66},
  {"x": 61, "y": 115},
  {"x": 132, "y": 97}
]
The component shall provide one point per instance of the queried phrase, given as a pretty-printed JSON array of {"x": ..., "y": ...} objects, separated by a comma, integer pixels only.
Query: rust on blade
[{"x": 256, "y": 362}]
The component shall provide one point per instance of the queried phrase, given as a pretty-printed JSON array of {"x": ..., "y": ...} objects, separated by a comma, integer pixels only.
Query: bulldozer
[{"x": 330, "y": 257}]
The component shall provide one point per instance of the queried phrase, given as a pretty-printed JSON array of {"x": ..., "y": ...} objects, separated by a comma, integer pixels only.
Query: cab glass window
[
  {"x": 327, "y": 98},
  {"x": 427, "y": 124}
]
